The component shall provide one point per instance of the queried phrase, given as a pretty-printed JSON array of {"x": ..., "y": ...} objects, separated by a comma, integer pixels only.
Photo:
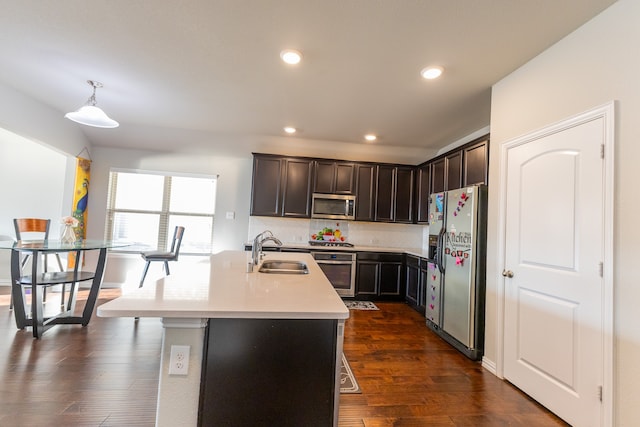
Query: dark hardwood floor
[
  {"x": 106, "y": 374},
  {"x": 411, "y": 377}
]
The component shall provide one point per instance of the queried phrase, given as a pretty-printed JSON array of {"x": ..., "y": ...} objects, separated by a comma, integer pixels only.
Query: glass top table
[
  {"x": 59, "y": 246},
  {"x": 37, "y": 280}
]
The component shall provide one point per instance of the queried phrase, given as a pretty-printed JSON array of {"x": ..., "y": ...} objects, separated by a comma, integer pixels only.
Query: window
[{"x": 145, "y": 208}]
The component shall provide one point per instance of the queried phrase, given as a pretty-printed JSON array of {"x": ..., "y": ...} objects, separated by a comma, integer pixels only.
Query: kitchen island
[{"x": 261, "y": 349}]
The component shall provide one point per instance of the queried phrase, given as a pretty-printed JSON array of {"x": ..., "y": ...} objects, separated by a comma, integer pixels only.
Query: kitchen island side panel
[{"x": 269, "y": 372}]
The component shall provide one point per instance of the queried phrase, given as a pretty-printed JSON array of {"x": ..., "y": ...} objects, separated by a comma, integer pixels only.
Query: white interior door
[{"x": 553, "y": 308}]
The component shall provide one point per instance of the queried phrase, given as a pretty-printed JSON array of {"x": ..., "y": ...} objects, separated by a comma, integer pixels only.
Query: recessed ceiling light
[
  {"x": 290, "y": 129},
  {"x": 291, "y": 56},
  {"x": 370, "y": 137},
  {"x": 431, "y": 72}
]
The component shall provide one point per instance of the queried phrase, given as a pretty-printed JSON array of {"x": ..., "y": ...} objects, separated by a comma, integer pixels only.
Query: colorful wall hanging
[{"x": 80, "y": 201}]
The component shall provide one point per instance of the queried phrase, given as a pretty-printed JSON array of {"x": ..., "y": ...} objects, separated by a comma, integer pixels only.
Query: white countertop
[{"x": 221, "y": 288}]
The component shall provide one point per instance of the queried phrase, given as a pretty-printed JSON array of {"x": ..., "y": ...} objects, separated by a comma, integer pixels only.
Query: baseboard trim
[{"x": 490, "y": 366}]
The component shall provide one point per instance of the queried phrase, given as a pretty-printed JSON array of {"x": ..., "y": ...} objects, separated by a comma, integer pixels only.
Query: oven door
[{"x": 339, "y": 267}]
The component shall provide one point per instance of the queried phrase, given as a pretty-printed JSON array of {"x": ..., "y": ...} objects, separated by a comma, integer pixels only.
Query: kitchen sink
[{"x": 283, "y": 267}]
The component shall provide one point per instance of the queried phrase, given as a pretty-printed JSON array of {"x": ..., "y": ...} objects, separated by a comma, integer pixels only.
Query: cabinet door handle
[{"x": 507, "y": 273}]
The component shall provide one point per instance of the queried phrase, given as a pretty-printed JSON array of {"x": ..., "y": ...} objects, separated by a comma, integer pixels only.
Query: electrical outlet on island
[{"x": 179, "y": 360}]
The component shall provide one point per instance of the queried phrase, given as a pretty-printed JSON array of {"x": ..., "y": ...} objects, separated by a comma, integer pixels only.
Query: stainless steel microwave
[{"x": 333, "y": 206}]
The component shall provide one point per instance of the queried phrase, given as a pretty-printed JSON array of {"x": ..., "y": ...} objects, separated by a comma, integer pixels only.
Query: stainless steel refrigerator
[{"x": 457, "y": 268}]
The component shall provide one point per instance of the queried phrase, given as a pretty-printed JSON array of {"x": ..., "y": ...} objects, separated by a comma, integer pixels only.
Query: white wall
[
  {"x": 26, "y": 165},
  {"x": 233, "y": 195},
  {"x": 35, "y": 121},
  {"x": 33, "y": 178},
  {"x": 233, "y": 187},
  {"x": 37, "y": 141},
  {"x": 37, "y": 150},
  {"x": 597, "y": 63}
]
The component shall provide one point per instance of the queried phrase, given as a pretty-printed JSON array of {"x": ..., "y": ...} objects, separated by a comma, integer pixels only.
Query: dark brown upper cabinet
[
  {"x": 281, "y": 186},
  {"x": 365, "y": 192},
  {"x": 422, "y": 192},
  {"x": 334, "y": 177},
  {"x": 266, "y": 191},
  {"x": 463, "y": 166},
  {"x": 394, "y": 194},
  {"x": 385, "y": 193},
  {"x": 438, "y": 175},
  {"x": 404, "y": 210},
  {"x": 453, "y": 167},
  {"x": 296, "y": 188},
  {"x": 476, "y": 164},
  {"x": 345, "y": 178}
]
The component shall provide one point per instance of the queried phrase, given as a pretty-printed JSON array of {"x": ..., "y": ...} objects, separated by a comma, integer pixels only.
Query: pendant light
[{"x": 91, "y": 115}]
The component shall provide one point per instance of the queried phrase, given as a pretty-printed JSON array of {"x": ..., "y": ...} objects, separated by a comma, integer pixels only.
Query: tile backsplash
[
  {"x": 289, "y": 230},
  {"x": 299, "y": 230},
  {"x": 386, "y": 234}
]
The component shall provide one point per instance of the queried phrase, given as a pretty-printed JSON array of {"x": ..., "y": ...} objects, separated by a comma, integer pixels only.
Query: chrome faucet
[{"x": 256, "y": 248}]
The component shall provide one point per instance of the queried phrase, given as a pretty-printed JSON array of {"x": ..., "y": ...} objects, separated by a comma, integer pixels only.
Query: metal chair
[
  {"x": 164, "y": 257},
  {"x": 39, "y": 227},
  {"x": 4, "y": 238}
]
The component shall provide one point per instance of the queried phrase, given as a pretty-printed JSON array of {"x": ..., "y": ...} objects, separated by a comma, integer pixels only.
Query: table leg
[
  {"x": 17, "y": 292},
  {"x": 95, "y": 287},
  {"x": 71, "y": 302},
  {"x": 37, "y": 314}
]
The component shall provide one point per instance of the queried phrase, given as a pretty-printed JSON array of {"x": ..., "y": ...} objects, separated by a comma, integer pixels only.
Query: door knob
[{"x": 507, "y": 273}]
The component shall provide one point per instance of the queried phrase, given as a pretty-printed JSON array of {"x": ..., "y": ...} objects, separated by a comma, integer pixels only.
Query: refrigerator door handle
[{"x": 440, "y": 250}]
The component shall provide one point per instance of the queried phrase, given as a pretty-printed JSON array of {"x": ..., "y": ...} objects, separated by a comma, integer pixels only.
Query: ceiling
[{"x": 206, "y": 76}]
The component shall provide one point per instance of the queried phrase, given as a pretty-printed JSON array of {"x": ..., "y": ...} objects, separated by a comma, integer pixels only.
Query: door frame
[{"x": 605, "y": 112}]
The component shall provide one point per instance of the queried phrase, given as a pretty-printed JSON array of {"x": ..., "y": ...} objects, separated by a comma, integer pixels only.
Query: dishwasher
[{"x": 340, "y": 269}]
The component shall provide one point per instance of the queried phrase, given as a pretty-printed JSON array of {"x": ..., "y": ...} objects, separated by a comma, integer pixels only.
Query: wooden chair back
[
  {"x": 31, "y": 225},
  {"x": 41, "y": 226}
]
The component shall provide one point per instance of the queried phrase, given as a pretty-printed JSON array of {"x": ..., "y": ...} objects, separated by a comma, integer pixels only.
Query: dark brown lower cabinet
[
  {"x": 416, "y": 282},
  {"x": 269, "y": 372},
  {"x": 391, "y": 284},
  {"x": 367, "y": 278},
  {"x": 424, "y": 274},
  {"x": 412, "y": 273},
  {"x": 379, "y": 276}
]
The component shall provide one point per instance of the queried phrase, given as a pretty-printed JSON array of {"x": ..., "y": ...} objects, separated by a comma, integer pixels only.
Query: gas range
[{"x": 328, "y": 243}]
